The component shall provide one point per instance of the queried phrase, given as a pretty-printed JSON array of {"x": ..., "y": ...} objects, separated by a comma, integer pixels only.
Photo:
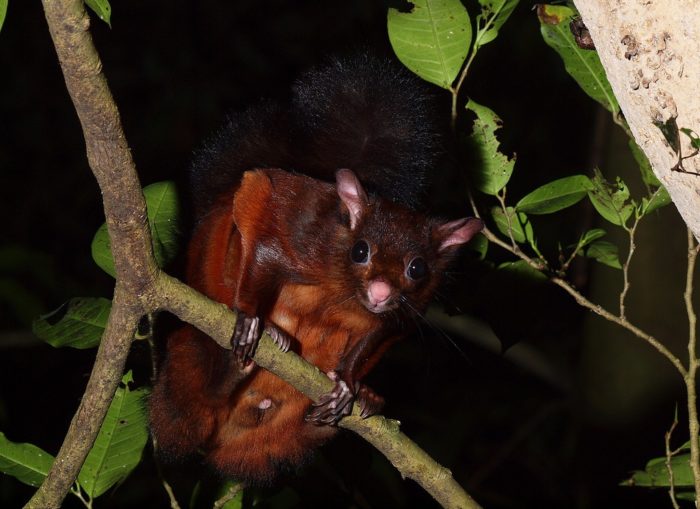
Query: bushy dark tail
[{"x": 364, "y": 113}]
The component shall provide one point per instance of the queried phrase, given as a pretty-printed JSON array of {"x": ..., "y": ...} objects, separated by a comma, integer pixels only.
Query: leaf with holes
[
  {"x": 612, "y": 201},
  {"x": 120, "y": 442},
  {"x": 494, "y": 169},
  {"x": 25, "y": 462},
  {"x": 79, "y": 323},
  {"x": 494, "y": 13},
  {"x": 432, "y": 40},
  {"x": 163, "y": 211}
]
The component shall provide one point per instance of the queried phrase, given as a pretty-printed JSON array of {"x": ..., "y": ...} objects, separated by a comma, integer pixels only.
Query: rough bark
[{"x": 649, "y": 49}]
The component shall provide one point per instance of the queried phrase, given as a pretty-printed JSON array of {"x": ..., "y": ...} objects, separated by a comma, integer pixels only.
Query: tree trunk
[{"x": 649, "y": 49}]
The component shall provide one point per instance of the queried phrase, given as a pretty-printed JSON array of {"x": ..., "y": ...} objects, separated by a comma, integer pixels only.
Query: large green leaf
[
  {"x": 511, "y": 223},
  {"x": 120, "y": 442},
  {"x": 523, "y": 269},
  {"x": 659, "y": 199},
  {"x": 494, "y": 13},
  {"x": 582, "y": 64},
  {"x": 3, "y": 12},
  {"x": 102, "y": 9},
  {"x": 656, "y": 473},
  {"x": 26, "y": 462},
  {"x": 79, "y": 323},
  {"x": 556, "y": 195},
  {"x": 647, "y": 173},
  {"x": 163, "y": 210},
  {"x": 494, "y": 169},
  {"x": 604, "y": 252},
  {"x": 432, "y": 40},
  {"x": 612, "y": 201}
]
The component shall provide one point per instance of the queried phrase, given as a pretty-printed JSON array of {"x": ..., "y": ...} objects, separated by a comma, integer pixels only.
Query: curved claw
[
  {"x": 245, "y": 336},
  {"x": 332, "y": 406},
  {"x": 281, "y": 338},
  {"x": 370, "y": 402}
]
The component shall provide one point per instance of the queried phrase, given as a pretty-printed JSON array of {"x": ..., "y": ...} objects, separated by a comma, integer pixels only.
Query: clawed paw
[
  {"x": 246, "y": 336},
  {"x": 281, "y": 338},
  {"x": 332, "y": 406},
  {"x": 370, "y": 402}
]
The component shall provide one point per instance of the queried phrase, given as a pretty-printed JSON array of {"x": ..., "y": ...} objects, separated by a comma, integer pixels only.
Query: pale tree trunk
[{"x": 650, "y": 50}]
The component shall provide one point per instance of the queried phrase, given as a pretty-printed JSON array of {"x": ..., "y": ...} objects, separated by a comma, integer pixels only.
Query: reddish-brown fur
[{"x": 277, "y": 246}]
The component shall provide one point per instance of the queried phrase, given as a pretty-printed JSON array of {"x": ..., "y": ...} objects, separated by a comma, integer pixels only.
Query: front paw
[
  {"x": 281, "y": 338},
  {"x": 246, "y": 336},
  {"x": 370, "y": 402},
  {"x": 332, "y": 406}
]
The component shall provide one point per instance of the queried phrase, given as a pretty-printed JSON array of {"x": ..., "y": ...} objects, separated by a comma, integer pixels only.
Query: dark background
[{"x": 557, "y": 421}]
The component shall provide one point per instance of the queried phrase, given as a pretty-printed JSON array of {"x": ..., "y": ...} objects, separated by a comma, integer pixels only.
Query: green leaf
[
  {"x": 102, "y": 9},
  {"x": 644, "y": 165},
  {"x": 604, "y": 252},
  {"x": 26, "y": 462},
  {"x": 694, "y": 138},
  {"x": 79, "y": 323},
  {"x": 432, "y": 40},
  {"x": 520, "y": 225},
  {"x": 494, "y": 169},
  {"x": 590, "y": 236},
  {"x": 656, "y": 473},
  {"x": 671, "y": 133},
  {"x": 237, "y": 501},
  {"x": 522, "y": 268},
  {"x": 612, "y": 201},
  {"x": 163, "y": 210},
  {"x": 659, "y": 199},
  {"x": 494, "y": 13},
  {"x": 120, "y": 442},
  {"x": 583, "y": 65},
  {"x": 3, "y": 12},
  {"x": 556, "y": 195}
]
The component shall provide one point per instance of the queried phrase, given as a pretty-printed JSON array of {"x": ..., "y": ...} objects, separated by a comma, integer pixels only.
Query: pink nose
[{"x": 378, "y": 291}]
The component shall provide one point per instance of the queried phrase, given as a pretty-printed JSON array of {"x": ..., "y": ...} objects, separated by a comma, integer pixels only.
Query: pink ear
[
  {"x": 351, "y": 193},
  {"x": 461, "y": 231}
]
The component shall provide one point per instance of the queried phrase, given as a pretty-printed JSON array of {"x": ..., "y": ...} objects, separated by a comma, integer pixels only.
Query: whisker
[{"x": 437, "y": 330}]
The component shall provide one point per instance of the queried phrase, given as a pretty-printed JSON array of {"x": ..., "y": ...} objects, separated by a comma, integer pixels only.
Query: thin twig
[
  {"x": 233, "y": 490},
  {"x": 690, "y": 376},
  {"x": 625, "y": 267},
  {"x": 596, "y": 308},
  {"x": 669, "y": 457}
]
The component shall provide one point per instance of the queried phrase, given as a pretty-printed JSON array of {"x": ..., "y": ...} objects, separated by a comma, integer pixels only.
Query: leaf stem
[
  {"x": 625, "y": 267},
  {"x": 233, "y": 490},
  {"x": 669, "y": 456}
]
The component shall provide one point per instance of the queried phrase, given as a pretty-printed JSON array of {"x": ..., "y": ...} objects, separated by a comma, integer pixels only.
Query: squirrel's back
[{"x": 364, "y": 113}]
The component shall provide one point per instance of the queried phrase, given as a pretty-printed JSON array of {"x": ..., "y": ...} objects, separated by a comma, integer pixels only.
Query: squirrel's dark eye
[
  {"x": 360, "y": 252},
  {"x": 417, "y": 269}
]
